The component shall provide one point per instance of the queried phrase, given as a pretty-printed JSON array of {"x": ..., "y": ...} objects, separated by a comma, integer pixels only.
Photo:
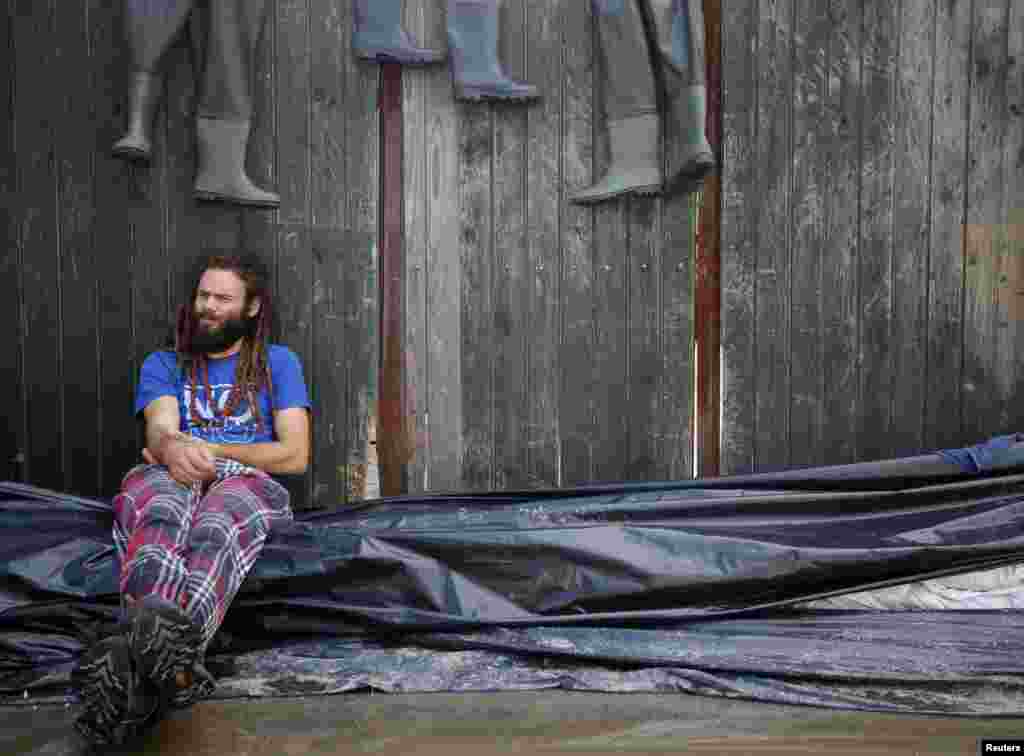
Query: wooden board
[
  {"x": 36, "y": 124},
  {"x": 12, "y": 410}
]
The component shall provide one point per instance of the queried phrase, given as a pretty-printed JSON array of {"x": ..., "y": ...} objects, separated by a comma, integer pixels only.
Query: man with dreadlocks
[{"x": 224, "y": 412}]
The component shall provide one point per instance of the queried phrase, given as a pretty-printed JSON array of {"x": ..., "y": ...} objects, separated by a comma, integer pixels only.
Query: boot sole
[
  {"x": 391, "y": 56},
  {"x": 206, "y": 196},
  {"x": 164, "y": 641},
  {"x": 131, "y": 153},
  {"x": 106, "y": 686},
  {"x": 651, "y": 190},
  {"x": 475, "y": 94}
]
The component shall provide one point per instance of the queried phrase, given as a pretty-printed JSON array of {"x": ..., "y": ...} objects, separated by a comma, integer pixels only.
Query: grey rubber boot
[
  {"x": 631, "y": 105},
  {"x": 137, "y": 143},
  {"x": 679, "y": 30},
  {"x": 477, "y": 73},
  {"x": 221, "y": 176},
  {"x": 377, "y": 34},
  {"x": 635, "y": 166}
]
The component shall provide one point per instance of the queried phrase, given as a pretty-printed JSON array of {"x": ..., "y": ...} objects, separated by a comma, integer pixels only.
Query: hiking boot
[
  {"x": 117, "y": 703},
  {"x": 164, "y": 641}
]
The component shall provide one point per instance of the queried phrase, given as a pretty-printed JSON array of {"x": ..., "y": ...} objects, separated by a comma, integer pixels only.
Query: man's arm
[
  {"x": 186, "y": 461},
  {"x": 289, "y": 455}
]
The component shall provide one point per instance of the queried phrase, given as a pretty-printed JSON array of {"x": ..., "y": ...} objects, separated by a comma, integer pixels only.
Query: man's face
[{"x": 220, "y": 309}]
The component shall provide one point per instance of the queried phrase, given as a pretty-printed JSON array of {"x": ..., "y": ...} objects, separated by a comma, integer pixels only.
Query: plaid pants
[{"x": 193, "y": 546}]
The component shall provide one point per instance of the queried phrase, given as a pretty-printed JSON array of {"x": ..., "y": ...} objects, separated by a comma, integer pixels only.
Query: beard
[{"x": 219, "y": 338}]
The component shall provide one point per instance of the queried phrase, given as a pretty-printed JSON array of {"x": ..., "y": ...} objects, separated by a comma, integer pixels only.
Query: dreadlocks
[{"x": 253, "y": 371}]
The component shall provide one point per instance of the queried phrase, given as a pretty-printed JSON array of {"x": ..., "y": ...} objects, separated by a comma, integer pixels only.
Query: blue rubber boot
[
  {"x": 473, "y": 41},
  {"x": 679, "y": 30},
  {"x": 378, "y": 35}
]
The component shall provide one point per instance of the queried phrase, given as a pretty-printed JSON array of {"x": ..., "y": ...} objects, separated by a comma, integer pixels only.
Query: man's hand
[{"x": 188, "y": 460}]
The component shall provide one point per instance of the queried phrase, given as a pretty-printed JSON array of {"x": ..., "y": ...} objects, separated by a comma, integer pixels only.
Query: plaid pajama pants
[{"x": 193, "y": 546}]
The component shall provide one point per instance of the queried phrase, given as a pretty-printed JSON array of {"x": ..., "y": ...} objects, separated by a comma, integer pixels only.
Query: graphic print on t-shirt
[{"x": 240, "y": 428}]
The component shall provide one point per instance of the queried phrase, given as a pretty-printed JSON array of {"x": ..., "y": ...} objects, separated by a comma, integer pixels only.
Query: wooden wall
[
  {"x": 99, "y": 252},
  {"x": 546, "y": 344},
  {"x": 873, "y": 232},
  {"x": 550, "y": 344}
]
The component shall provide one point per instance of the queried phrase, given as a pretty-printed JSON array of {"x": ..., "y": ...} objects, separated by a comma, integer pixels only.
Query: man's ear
[{"x": 254, "y": 307}]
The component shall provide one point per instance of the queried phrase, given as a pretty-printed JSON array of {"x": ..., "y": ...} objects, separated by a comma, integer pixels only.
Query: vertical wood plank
[
  {"x": 117, "y": 197},
  {"x": 943, "y": 395},
  {"x": 1011, "y": 350},
  {"x": 75, "y": 151},
  {"x": 840, "y": 251},
  {"x": 576, "y": 403},
  {"x": 360, "y": 294},
  {"x": 911, "y": 229},
  {"x": 511, "y": 339},
  {"x": 539, "y": 264},
  {"x": 877, "y": 112},
  {"x": 329, "y": 42},
  {"x": 416, "y": 83},
  {"x": 986, "y": 292},
  {"x": 294, "y": 284},
  {"x": 641, "y": 349},
  {"x": 443, "y": 277},
  {"x": 774, "y": 235},
  {"x": 813, "y": 127},
  {"x": 36, "y": 122},
  {"x": 475, "y": 219},
  {"x": 751, "y": 52},
  {"x": 12, "y": 443}
]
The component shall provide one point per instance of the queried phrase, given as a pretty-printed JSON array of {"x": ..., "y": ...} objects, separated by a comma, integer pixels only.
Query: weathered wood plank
[
  {"x": 754, "y": 56},
  {"x": 877, "y": 113},
  {"x": 117, "y": 198},
  {"x": 360, "y": 290},
  {"x": 911, "y": 229},
  {"x": 511, "y": 339},
  {"x": 985, "y": 291},
  {"x": 416, "y": 83},
  {"x": 332, "y": 101},
  {"x": 443, "y": 277},
  {"x": 294, "y": 284},
  {"x": 840, "y": 252},
  {"x": 642, "y": 339},
  {"x": 540, "y": 261},
  {"x": 813, "y": 129},
  {"x": 576, "y": 403},
  {"x": 773, "y": 177},
  {"x": 673, "y": 429},
  {"x": 943, "y": 389},
  {"x": 1011, "y": 350},
  {"x": 12, "y": 411},
  {"x": 474, "y": 218},
  {"x": 78, "y": 261},
  {"x": 36, "y": 122}
]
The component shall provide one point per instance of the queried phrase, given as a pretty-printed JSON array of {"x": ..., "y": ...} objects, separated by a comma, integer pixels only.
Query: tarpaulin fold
[{"x": 698, "y": 565}]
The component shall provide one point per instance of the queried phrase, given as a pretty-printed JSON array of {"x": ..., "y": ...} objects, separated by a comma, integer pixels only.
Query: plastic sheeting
[{"x": 707, "y": 571}]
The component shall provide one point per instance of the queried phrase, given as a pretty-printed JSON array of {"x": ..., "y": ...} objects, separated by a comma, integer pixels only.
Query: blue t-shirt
[{"x": 161, "y": 376}]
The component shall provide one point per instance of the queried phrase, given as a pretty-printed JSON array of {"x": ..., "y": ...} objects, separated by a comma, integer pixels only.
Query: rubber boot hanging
[
  {"x": 631, "y": 105},
  {"x": 477, "y": 74},
  {"x": 377, "y": 34},
  {"x": 225, "y": 110},
  {"x": 150, "y": 27},
  {"x": 221, "y": 177},
  {"x": 679, "y": 29}
]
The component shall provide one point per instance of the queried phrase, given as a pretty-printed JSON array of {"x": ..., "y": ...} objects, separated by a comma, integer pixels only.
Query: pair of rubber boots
[
  {"x": 640, "y": 98},
  {"x": 220, "y": 144},
  {"x": 477, "y": 73},
  {"x": 127, "y": 680}
]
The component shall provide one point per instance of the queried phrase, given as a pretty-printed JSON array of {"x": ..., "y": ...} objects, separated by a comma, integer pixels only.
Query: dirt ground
[{"x": 480, "y": 724}]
